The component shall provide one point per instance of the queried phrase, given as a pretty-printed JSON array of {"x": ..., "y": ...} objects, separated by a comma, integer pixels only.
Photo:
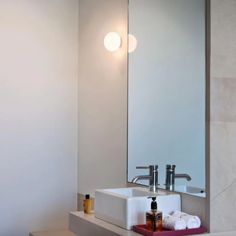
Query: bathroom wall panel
[
  {"x": 223, "y": 30},
  {"x": 102, "y": 96},
  {"x": 223, "y": 97},
  {"x": 223, "y": 116},
  {"x": 223, "y": 176},
  {"x": 103, "y": 102},
  {"x": 195, "y": 206},
  {"x": 223, "y": 152},
  {"x": 38, "y": 120}
]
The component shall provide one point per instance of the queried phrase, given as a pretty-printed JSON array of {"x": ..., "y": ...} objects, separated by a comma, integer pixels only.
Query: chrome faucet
[
  {"x": 152, "y": 177},
  {"x": 171, "y": 176}
]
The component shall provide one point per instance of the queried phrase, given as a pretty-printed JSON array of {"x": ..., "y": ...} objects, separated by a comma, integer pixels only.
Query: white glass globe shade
[{"x": 112, "y": 41}]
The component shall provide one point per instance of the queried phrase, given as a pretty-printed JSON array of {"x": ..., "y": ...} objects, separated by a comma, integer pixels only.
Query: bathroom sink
[
  {"x": 190, "y": 190},
  {"x": 126, "y": 207}
]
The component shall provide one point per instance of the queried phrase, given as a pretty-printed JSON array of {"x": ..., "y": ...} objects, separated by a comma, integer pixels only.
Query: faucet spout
[
  {"x": 152, "y": 177},
  {"x": 141, "y": 177},
  {"x": 183, "y": 176}
]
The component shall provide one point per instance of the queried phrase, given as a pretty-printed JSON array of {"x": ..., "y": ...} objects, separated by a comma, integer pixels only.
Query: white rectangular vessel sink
[{"x": 126, "y": 207}]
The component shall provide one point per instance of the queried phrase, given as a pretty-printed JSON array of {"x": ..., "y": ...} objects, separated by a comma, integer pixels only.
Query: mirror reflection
[{"x": 166, "y": 93}]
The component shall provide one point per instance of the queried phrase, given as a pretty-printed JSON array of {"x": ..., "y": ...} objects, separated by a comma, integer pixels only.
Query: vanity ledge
[
  {"x": 232, "y": 233},
  {"x": 86, "y": 224}
]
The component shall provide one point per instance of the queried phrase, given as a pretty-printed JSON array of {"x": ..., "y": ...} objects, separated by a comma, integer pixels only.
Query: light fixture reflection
[{"x": 132, "y": 43}]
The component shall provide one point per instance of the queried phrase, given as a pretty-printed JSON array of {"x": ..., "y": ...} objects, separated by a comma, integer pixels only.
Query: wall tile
[
  {"x": 194, "y": 206},
  {"x": 223, "y": 35},
  {"x": 223, "y": 209},
  {"x": 223, "y": 99},
  {"x": 223, "y": 152},
  {"x": 223, "y": 116}
]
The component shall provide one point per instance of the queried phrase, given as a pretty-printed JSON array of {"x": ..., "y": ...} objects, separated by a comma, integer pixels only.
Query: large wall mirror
[{"x": 166, "y": 91}]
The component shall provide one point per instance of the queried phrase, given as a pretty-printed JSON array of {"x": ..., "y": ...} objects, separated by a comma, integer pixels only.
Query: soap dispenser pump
[{"x": 154, "y": 217}]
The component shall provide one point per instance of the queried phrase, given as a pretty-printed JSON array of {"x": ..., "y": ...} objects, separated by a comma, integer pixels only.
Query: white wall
[
  {"x": 38, "y": 81},
  {"x": 102, "y": 96}
]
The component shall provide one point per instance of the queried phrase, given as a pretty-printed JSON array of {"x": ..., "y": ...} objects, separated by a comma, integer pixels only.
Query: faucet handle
[
  {"x": 142, "y": 167},
  {"x": 151, "y": 167},
  {"x": 170, "y": 167}
]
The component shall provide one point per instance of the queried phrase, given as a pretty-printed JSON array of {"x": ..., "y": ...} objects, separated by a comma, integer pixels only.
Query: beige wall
[
  {"x": 38, "y": 143},
  {"x": 102, "y": 96},
  {"x": 223, "y": 115},
  {"x": 103, "y": 104}
]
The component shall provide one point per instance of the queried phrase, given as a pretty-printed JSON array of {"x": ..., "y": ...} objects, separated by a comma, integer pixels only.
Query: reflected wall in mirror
[{"x": 166, "y": 95}]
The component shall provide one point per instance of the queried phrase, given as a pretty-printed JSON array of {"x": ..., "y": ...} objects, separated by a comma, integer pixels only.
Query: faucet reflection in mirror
[{"x": 171, "y": 176}]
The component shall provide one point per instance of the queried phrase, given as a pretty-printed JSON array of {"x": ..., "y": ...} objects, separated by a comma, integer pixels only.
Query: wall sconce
[
  {"x": 112, "y": 41},
  {"x": 132, "y": 43}
]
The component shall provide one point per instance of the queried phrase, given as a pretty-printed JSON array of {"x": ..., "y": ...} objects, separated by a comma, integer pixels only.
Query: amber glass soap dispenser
[{"x": 154, "y": 217}]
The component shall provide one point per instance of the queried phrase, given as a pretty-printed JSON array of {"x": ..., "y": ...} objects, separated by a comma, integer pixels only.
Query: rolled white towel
[
  {"x": 192, "y": 222},
  {"x": 173, "y": 223}
]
